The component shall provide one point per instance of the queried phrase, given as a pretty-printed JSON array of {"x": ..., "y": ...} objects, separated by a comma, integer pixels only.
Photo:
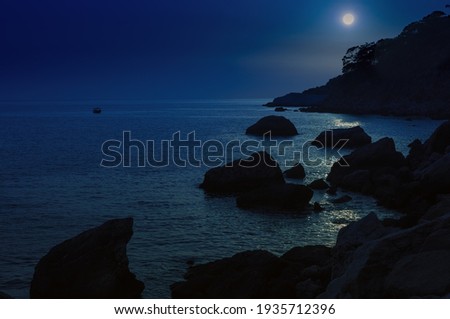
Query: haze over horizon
[{"x": 177, "y": 49}]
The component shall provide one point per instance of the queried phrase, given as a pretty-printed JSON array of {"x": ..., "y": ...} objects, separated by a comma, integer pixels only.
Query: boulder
[
  {"x": 416, "y": 154},
  {"x": 369, "y": 157},
  {"x": 245, "y": 275},
  {"x": 276, "y": 125},
  {"x": 93, "y": 264},
  {"x": 296, "y": 172},
  {"x": 280, "y": 109},
  {"x": 319, "y": 184},
  {"x": 259, "y": 274},
  {"x": 282, "y": 196},
  {"x": 438, "y": 143},
  {"x": 372, "y": 261},
  {"x": 353, "y": 236},
  {"x": 439, "y": 140},
  {"x": 435, "y": 178},
  {"x": 441, "y": 208},
  {"x": 388, "y": 189},
  {"x": 347, "y": 137},
  {"x": 308, "y": 255},
  {"x": 415, "y": 275},
  {"x": 243, "y": 175},
  {"x": 357, "y": 181}
]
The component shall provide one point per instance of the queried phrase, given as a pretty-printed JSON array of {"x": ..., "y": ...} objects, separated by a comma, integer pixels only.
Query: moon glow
[{"x": 348, "y": 19}]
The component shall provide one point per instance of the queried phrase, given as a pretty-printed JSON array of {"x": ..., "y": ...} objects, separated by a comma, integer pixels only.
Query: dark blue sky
[{"x": 148, "y": 49}]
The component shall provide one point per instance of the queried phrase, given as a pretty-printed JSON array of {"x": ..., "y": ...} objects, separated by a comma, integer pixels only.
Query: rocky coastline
[
  {"x": 384, "y": 78},
  {"x": 372, "y": 258}
]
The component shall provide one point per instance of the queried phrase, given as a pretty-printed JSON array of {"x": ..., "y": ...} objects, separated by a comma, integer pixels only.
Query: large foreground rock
[
  {"x": 302, "y": 272},
  {"x": 435, "y": 178},
  {"x": 347, "y": 137},
  {"x": 422, "y": 155},
  {"x": 93, "y": 264},
  {"x": 276, "y": 125},
  {"x": 283, "y": 196},
  {"x": 371, "y": 261},
  {"x": 243, "y": 175}
]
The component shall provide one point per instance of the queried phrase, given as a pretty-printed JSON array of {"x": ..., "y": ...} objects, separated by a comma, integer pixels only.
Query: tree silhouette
[{"x": 359, "y": 57}]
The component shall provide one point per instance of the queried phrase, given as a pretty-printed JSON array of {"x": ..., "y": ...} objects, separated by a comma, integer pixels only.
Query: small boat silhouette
[{"x": 97, "y": 110}]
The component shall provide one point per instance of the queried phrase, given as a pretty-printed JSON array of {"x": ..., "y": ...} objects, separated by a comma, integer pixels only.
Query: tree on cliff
[{"x": 359, "y": 57}]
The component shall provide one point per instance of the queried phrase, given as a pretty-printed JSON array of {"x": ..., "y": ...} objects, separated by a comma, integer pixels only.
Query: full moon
[{"x": 348, "y": 19}]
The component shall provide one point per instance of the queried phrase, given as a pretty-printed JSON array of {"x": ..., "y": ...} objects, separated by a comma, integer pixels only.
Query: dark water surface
[{"x": 52, "y": 186}]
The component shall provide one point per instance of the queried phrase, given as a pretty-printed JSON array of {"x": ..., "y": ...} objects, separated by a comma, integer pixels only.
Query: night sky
[{"x": 147, "y": 49}]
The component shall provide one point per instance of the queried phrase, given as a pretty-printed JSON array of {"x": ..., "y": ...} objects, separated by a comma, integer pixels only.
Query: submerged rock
[
  {"x": 93, "y": 264},
  {"x": 243, "y": 175},
  {"x": 276, "y": 125},
  {"x": 352, "y": 137},
  {"x": 283, "y": 196}
]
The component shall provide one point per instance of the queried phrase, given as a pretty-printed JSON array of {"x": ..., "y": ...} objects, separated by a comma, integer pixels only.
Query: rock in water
[
  {"x": 283, "y": 196},
  {"x": 93, "y": 264},
  {"x": 319, "y": 184},
  {"x": 369, "y": 157},
  {"x": 352, "y": 137},
  {"x": 243, "y": 175},
  {"x": 276, "y": 125},
  {"x": 296, "y": 172},
  {"x": 302, "y": 272}
]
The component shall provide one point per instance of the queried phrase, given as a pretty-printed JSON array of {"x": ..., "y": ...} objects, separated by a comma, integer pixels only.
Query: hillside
[{"x": 406, "y": 75}]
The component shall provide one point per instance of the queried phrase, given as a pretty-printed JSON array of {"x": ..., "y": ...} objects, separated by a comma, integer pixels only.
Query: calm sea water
[{"x": 52, "y": 186}]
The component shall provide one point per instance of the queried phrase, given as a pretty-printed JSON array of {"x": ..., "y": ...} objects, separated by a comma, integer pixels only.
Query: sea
[{"x": 55, "y": 182}]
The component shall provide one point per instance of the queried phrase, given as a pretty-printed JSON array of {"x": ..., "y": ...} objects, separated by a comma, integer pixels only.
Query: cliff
[{"x": 405, "y": 75}]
